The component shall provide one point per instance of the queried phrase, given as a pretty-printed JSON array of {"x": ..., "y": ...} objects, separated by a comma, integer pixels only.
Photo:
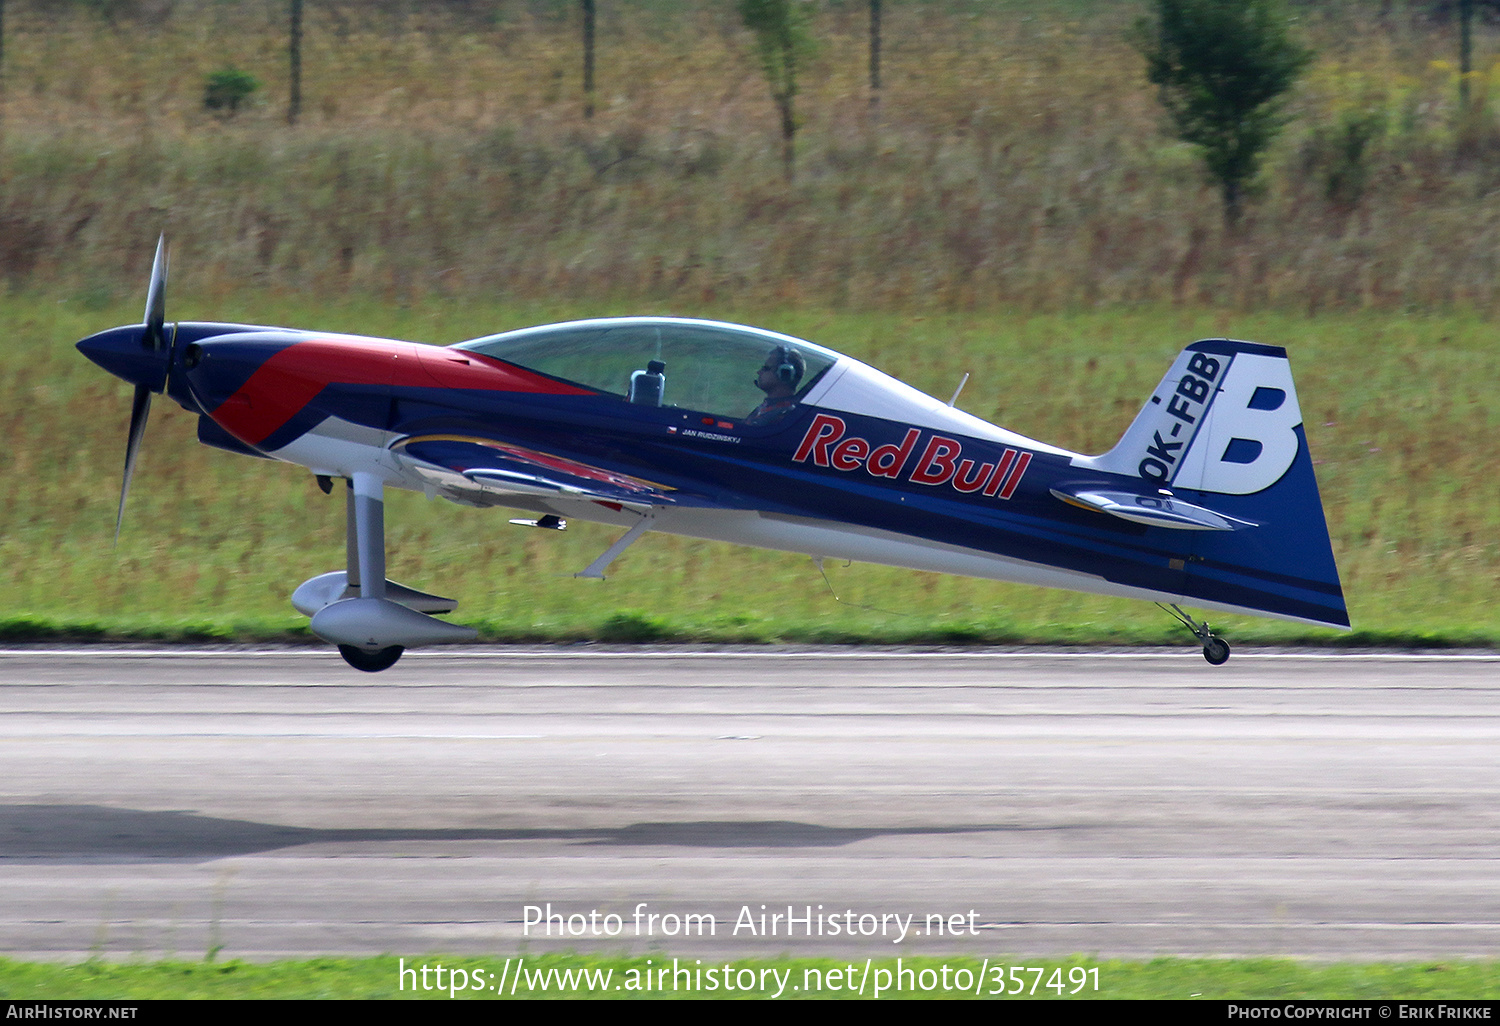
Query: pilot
[{"x": 778, "y": 377}]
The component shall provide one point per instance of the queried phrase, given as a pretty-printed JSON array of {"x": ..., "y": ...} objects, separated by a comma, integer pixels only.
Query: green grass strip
[
  {"x": 631, "y": 628},
  {"x": 658, "y": 975}
]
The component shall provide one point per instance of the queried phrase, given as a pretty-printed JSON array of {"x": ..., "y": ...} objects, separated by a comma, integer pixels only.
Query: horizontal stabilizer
[{"x": 1161, "y": 509}]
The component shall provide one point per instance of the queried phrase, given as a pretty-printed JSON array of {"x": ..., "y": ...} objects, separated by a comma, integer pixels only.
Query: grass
[
  {"x": 1010, "y": 208},
  {"x": 1400, "y": 414},
  {"x": 1171, "y": 979}
]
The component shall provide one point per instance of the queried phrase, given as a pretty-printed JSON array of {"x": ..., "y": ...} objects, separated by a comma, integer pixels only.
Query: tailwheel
[
  {"x": 1215, "y": 648},
  {"x": 371, "y": 662},
  {"x": 1216, "y": 651}
]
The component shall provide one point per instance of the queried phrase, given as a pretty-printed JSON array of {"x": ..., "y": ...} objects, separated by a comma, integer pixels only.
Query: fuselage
[{"x": 860, "y": 467}]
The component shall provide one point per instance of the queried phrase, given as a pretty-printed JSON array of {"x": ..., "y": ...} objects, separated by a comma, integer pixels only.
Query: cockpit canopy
[{"x": 704, "y": 366}]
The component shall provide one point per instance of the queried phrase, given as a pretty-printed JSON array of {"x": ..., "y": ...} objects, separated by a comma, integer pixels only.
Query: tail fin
[{"x": 1223, "y": 430}]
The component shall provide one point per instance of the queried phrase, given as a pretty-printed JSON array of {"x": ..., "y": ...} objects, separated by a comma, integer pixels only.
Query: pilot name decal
[
  {"x": 712, "y": 436},
  {"x": 939, "y": 462}
]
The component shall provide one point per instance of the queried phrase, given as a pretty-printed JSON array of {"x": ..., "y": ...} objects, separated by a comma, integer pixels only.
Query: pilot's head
[{"x": 781, "y": 373}]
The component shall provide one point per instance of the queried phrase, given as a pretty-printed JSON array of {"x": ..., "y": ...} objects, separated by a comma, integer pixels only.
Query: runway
[{"x": 274, "y": 803}]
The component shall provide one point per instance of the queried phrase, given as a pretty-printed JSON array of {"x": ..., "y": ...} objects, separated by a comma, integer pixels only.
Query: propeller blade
[
  {"x": 156, "y": 300},
  {"x": 140, "y": 409}
]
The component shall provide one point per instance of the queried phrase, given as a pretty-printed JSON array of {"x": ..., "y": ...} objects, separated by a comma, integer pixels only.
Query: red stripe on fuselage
[
  {"x": 460, "y": 368},
  {"x": 291, "y": 378}
]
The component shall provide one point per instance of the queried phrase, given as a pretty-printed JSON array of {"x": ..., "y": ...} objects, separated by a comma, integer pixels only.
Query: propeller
[
  {"x": 140, "y": 409},
  {"x": 153, "y": 339}
]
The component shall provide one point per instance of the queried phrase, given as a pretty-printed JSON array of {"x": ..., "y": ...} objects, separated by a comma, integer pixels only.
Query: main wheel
[
  {"x": 1216, "y": 651},
  {"x": 371, "y": 662}
]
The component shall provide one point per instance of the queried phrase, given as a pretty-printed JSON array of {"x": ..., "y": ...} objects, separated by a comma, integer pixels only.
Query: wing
[{"x": 470, "y": 464}]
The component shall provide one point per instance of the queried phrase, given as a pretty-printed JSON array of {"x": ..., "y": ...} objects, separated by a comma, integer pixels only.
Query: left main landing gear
[
  {"x": 1215, "y": 648},
  {"x": 371, "y": 620}
]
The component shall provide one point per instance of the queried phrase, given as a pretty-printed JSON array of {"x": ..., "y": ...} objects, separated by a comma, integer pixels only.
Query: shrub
[
  {"x": 224, "y": 90},
  {"x": 1341, "y": 158}
]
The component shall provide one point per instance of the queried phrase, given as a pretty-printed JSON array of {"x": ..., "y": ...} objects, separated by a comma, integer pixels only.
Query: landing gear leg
[
  {"x": 351, "y": 538},
  {"x": 1215, "y": 648},
  {"x": 364, "y": 550},
  {"x": 365, "y": 535}
]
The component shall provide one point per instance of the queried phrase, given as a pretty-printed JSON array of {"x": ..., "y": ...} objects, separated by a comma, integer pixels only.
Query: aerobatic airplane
[{"x": 738, "y": 434}]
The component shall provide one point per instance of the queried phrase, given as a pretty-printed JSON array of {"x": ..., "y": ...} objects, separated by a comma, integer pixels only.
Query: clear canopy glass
[{"x": 703, "y": 366}]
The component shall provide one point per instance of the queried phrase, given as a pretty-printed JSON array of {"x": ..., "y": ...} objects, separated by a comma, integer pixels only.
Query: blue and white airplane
[{"x": 738, "y": 434}]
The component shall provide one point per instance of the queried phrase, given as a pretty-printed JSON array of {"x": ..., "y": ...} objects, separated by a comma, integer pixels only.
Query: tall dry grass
[{"x": 1016, "y": 158}]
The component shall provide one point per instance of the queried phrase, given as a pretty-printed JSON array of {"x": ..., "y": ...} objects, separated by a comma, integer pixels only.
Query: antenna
[{"x": 959, "y": 389}]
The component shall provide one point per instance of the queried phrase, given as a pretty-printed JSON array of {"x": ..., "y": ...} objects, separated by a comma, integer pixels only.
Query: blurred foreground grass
[
  {"x": 1170, "y": 979},
  {"x": 1400, "y": 413}
]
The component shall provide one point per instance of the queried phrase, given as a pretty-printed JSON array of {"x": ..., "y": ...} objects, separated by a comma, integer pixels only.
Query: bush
[
  {"x": 633, "y": 627},
  {"x": 1344, "y": 156},
  {"x": 224, "y": 90}
]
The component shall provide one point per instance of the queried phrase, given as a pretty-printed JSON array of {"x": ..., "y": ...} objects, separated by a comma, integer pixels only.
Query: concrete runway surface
[{"x": 271, "y": 803}]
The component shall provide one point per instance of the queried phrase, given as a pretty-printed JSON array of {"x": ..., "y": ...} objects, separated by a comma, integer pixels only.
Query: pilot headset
[{"x": 786, "y": 370}]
